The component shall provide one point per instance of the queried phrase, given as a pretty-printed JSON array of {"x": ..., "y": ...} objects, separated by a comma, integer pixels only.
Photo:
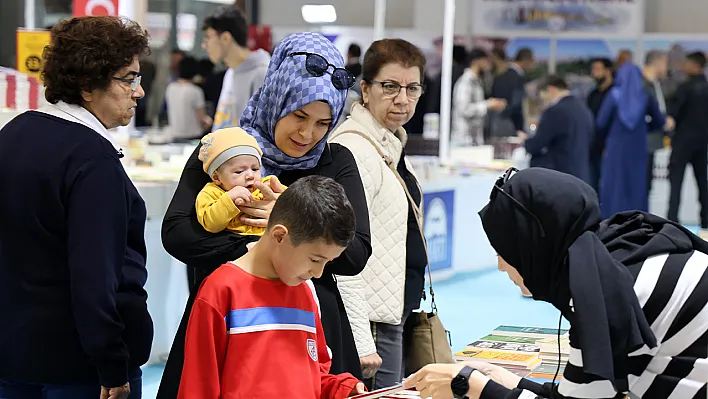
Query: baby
[{"x": 232, "y": 158}]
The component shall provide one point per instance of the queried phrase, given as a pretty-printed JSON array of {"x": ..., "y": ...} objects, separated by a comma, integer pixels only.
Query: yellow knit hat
[{"x": 224, "y": 144}]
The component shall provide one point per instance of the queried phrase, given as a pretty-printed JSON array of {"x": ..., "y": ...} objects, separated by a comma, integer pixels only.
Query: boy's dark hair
[
  {"x": 354, "y": 50},
  {"x": 315, "y": 208},
  {"x": 188, "y": 68},
  {"x": 524, "y": 54},
  {"x": 698, "y": 58},
  {"x": 554, "y": 81},
  {"x": 229, "y": 19},
  {"x": 606, "y": 62}
]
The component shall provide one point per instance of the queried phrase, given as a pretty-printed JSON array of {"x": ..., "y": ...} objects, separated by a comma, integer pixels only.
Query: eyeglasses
[
  {"x": 499, "y": 188},
  {"x": 391, "y": 89},
  {"x": 317, "y": 65},
  {"x": 134, "y": 82}
]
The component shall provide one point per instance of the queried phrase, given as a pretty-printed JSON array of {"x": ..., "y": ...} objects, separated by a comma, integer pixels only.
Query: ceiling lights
[{"x": 319, "y": 14}]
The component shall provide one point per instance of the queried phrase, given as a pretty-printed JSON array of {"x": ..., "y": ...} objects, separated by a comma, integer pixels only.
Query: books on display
[{"x": 528, "y": 332}]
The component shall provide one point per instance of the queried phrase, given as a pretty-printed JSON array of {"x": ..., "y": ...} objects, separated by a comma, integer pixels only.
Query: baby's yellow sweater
[{"x": 216, "y": 211}]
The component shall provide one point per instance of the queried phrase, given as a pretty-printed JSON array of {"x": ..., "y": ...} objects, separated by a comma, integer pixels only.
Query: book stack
[
  {"x": 549, "y": 350},
  {"x": 546, "y": 373},
  {"x": 517, "y": 349}
]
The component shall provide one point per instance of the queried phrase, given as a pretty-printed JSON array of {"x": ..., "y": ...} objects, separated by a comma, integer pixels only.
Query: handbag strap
[{"x": 417, "y": 210}]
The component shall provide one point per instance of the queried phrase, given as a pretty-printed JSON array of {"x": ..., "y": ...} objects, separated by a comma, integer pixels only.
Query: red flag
[{"x": 84, "y": 8}]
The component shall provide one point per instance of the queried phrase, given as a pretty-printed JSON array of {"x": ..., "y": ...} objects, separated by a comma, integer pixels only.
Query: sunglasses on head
[
  {"x": 499, "y": 188},
  {"x": 317, "y": 65}
]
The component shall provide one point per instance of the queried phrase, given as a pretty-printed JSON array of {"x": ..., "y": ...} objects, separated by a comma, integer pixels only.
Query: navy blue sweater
[
  {"x": 563, "y": 138},
  {"x": 72, "y": 257}
]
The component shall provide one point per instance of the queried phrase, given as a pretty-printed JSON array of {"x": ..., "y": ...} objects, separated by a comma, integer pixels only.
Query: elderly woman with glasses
[
  {"x": 72, "y": 248},
  {"x": 634, "y": 289},
  {"x": 380, "y": 299},
  {"x": 290, "y": 116}
]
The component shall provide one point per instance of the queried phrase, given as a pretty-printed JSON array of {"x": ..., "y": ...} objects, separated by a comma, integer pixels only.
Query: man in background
[
  {"x": 212, "y": 84},
  {"x": 601, "y": 72},
  {"x": 656, "y": 66},
  {"x": 510, "y": 86},
  {"x": 176, "y": 56},
  {"x": 564, "y": 132},
  {"x": 469, "y": 107},
  {"x": 690, "y": 141},
  {"x": 459, "y": 64},
  {"x": 148, "y": 71},
  {"x": 354, "y": 60},
  {"x": 225, "y": 40},
  {"x": 187, "y": 117}
]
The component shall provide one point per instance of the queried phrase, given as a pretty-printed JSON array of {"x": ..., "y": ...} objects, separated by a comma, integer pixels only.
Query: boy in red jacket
[{"x": 255, "y": 329}]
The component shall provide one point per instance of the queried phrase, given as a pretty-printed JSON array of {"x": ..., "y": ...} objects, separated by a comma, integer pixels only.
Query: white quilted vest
[{"x": 384, "y": 275}]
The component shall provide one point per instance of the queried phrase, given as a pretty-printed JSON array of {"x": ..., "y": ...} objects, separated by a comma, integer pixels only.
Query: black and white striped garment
[{"x": 673, "y": 292}]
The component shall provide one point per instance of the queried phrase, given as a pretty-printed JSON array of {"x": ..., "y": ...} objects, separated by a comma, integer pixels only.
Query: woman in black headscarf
[{"x": 634, "y": 289}]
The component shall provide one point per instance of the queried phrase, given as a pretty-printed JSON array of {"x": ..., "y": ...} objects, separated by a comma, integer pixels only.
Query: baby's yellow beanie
[{"x": 224, "y": 144}]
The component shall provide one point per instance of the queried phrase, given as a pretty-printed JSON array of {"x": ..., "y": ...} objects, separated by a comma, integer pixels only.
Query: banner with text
[
  {"x": 528, "y": 17},
  {"x": 437, "y": 228},
  {"x": 83, "y": 8}
]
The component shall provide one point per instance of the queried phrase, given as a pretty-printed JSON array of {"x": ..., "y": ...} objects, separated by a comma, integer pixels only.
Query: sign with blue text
[{"x": 437, "y": 227}]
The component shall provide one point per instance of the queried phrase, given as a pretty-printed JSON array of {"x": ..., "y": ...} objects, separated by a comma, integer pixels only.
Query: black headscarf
[{"x": 547, "y": 232}]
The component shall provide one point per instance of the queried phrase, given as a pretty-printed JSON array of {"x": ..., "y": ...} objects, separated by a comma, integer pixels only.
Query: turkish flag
[
  {"x": 83, "y": 8},
  {"x": 260, "y": 37}
]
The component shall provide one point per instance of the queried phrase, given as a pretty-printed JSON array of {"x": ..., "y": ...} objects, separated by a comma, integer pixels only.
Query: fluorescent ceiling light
[{"x": 319, "y": 14}]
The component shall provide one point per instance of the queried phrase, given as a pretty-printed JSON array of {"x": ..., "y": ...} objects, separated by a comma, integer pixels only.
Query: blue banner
[{"x": 437, "y": 227}]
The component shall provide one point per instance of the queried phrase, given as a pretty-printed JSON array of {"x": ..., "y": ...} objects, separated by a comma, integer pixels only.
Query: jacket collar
[{"x": 80, "y": 115}]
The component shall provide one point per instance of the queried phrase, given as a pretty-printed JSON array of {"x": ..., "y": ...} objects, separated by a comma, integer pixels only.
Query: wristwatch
[{"x": 460, "y": 384}]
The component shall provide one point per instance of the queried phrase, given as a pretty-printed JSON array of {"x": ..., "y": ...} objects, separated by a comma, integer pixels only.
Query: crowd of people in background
[{"x": 608, "y": 139}]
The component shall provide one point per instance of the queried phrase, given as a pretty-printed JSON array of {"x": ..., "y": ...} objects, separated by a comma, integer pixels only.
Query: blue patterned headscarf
[{"x": 288, "y": 87}]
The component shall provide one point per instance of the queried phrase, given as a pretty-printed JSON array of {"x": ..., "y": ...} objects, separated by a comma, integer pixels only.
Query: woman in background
[{"x": 622, "y": 118}]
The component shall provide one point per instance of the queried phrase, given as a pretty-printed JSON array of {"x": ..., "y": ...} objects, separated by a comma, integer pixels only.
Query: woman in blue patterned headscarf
[
  {"x": 290, "y": 116},
  {"x": 289, "y": 86},
  {"x": 623, "y": 118}
]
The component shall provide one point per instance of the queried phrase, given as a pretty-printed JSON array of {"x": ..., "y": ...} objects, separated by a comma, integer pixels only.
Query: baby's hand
[{"x": 240, "y": 196}]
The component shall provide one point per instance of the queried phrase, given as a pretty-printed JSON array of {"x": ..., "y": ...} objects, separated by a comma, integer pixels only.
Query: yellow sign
[{"x": 30, "y": 45}]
